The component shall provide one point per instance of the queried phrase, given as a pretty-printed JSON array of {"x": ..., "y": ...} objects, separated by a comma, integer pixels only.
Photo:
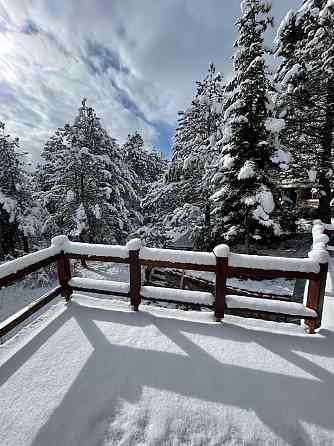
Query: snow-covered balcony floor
[{"x": 95, "y": 373}]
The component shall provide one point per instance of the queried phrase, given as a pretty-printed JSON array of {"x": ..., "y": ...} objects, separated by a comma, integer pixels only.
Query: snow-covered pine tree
[
  {"x": 18, "y": 214},
  {"x": 195, "y": 136},
  {"x": 292, "y": 102},
  {"x": 245, "y": 197},
  {"x": 305, "y": 42},
  {"x": 147, "y": 165},
  {"x": 85, "y": 184},
  {"x": 179, "y": 200}
]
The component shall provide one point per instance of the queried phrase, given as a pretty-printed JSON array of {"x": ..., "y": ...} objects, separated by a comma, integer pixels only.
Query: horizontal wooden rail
[
  {"x": 245, "y": 311},
  {"x": 177, "y": 265},
  {"x": 92, "y": 258},
  {"x": 202, "y": 284},
  {"x": 24, "y": 272},
  {"x": 19, "y": 317},
  {"x": 177, "y": 302},
  {"x": 28, "y": 311},
  {"x": 99, "y": 291},
  {"x": 256, "y": 273},
  {"x": 233, "y": 271}
]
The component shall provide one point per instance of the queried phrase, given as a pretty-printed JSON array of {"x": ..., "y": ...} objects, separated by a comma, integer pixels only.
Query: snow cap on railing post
[
  {"x": 221, "y": 251},
  {"x": 319, "y": 252},
  {"x": 59, "y": 241},
  {"x": 317, "y": 228},
  {"x": 134, "y": 244},
  {"x": 319, "y": 255}
]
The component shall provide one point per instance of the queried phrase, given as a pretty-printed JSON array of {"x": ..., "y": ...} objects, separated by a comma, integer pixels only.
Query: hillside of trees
[{"x": 233, "y": 146}]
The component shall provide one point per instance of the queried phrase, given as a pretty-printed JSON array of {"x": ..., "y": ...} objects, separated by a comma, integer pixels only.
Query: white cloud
[{"x": 148, "y": 55}]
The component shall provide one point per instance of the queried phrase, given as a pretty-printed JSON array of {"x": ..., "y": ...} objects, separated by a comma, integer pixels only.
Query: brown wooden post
[
  {"x": 317, "y": 286},
  {"x": 64, "y": 276},
  {"x": 312, "y": 302},
  {"x": 221, "y": 252},
  {"x": 315, "y": 297},
  {"x": 135, "y": 273},
  {"x": 323, "y": 280}
]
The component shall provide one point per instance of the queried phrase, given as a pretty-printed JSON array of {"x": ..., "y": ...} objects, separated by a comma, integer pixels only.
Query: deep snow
[{"x": 95, "y": 373}]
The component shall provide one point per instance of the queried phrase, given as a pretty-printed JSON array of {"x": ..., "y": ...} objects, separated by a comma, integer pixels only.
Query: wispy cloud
[{"x": 136, "y": 62}]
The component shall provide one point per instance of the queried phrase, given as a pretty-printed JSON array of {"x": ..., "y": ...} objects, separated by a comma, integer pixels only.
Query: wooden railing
[
  {"x": 221, "y": 262},
  {"x": 16, "y": 270}
]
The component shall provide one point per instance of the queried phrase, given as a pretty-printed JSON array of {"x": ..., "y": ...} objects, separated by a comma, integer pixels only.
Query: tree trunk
[
  {"x": 247, "y": 238},
  {"x": 324, "y": 210}
]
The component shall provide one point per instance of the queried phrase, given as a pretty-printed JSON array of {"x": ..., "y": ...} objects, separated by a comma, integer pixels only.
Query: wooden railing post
[
  {"x": 135, "y": 272},
  {"x": 64, "y": 276},
  {"x": 222, "y": 253},
  {"x": 63, "y": 267},
  {"x": 312, "y": 302},
  {"x": 316, "y": 287},
  {"x": 315, "y": 297},
  {"x": 323, "y": 279}
]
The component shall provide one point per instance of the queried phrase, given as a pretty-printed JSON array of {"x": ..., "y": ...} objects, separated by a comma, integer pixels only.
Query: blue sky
[{"x": 135, "y": 61}]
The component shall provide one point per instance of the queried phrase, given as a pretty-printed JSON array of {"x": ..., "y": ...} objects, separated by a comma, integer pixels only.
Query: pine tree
[
  {"x": 147, "y": 165},
  {"x": 85, "y": 184},
  {"x": 179, "y": 200},
  {"x": 18, "y": 213},
  {"x": 293, "y": 101},
  {"x": 195, "y": 137},
  {"x": 305, "y": 41},
  {"x": 245, "y": 198}
]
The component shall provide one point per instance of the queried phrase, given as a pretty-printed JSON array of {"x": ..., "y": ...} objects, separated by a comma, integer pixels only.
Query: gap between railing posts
[
  {"x": 222, "y": 253},
  {"x": 63, "y": 267},
  {"x": 317, "y": 287},
  {"x": 135, "y": 272}
]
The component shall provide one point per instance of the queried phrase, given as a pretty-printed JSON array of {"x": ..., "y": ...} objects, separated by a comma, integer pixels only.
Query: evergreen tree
[
  {"x": 85, "y": 184},
  {"x": 293, "y": 102},
  {"x": 245, "y": 198},
  {"x": 178, "y": 202},
  {"x": 147, "y": 165},
  {"x": 195, "y": 138},
  {"x": 305, "y": 41},
  {"x": 18, "y": 214}
]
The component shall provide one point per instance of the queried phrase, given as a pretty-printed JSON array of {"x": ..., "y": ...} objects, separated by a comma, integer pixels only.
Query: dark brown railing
[{"x": 221, "y": 262}]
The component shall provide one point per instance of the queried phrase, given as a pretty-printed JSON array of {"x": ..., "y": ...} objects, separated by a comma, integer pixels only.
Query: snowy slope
[{"x": 94, "y": 373}]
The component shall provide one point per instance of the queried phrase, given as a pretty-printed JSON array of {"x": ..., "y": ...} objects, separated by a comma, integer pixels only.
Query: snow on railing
[
  {"x": 221, "y": 261},
  {"x": 13, "y": 266},
  {"x": 88, "y": 249},
  {"x": 274, "y": 263},
  {"x": 177, "y": 256}
]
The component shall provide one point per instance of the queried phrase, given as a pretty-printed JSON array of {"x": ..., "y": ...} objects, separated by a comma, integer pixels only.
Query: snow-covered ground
[{"x": 95, "y": 373}]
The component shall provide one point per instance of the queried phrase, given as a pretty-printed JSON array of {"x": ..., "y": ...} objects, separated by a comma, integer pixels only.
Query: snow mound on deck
[{"x": 95, "y": 373}]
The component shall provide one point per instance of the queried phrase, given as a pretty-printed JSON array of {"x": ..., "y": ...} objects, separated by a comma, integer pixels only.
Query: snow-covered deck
[{"x": 85, "y": 375}]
